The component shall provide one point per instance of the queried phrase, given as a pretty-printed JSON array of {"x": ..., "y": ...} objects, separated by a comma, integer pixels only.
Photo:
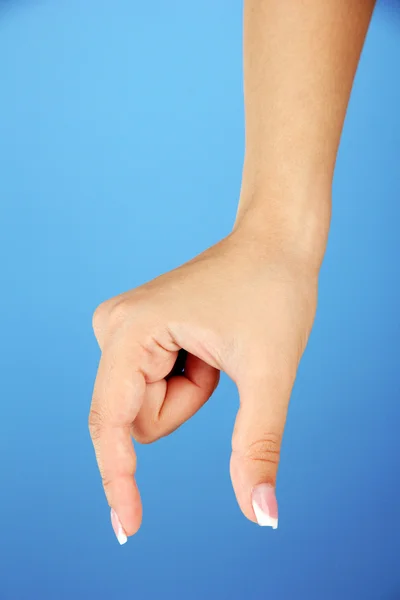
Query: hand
[{"x": 244, "y": 306}]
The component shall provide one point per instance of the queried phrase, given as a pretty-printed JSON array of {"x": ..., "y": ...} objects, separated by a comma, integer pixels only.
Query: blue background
[{"x": 121, "y": 127}]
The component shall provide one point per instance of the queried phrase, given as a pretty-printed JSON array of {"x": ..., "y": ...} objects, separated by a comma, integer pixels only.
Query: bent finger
[{"x": 168, "y": 404}]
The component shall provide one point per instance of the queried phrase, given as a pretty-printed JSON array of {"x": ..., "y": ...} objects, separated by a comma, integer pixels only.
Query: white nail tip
[
  {"x": 118, "y": 529},
  {"x": 121, "y": 537},
  {"x": 263, "y": 519}
]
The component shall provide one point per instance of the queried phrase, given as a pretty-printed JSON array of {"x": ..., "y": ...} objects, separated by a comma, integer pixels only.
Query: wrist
[{"x": 293, "y": 224}]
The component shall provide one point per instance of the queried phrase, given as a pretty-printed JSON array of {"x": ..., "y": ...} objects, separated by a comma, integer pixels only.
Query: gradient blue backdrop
[{"x": 121, "y": 148}]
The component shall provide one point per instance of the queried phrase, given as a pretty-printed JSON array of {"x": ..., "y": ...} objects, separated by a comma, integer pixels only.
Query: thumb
[{"x": 256, "y": 445}]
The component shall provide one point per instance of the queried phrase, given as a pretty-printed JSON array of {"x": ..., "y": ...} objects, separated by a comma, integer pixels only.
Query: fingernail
[
  {"x": 118, "y": 529},
  {"x": 265, "y": 505}
]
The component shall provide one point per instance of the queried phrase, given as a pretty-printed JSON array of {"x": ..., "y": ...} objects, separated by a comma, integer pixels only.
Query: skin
[{"x": 246, "y": 305}]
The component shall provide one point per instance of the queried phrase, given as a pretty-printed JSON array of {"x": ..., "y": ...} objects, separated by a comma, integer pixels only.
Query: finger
[
  {"x": 168, "y": 404},
  {"x": 256, "y": 444},
  {"x": 118, "y": 394}
]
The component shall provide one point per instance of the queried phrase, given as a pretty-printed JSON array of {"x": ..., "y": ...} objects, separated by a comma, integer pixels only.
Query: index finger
[{"x": 117, "y": 397}]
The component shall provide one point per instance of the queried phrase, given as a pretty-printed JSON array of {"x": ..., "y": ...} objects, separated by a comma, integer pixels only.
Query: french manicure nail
[
  {"x": 265, "y": 505},
  {"x": 118, "y": 529}
]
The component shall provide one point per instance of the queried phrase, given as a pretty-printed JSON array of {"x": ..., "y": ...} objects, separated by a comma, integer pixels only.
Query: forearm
[{"x": 300, "y": 58}]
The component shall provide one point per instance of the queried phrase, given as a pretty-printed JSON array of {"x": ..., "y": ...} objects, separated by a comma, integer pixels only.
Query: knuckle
[
  {"x": 99, "y": 317},
  {"x": 106, "y": 483},
  {"x": 265, "y": 449},
  {"x": 110, "y": 314},
  {"x": 96, "y": 424},
  {"x": 118, "y": 312}
]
